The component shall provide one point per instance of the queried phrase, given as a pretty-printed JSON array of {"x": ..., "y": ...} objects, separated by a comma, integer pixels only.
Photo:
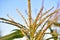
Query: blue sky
[{"x": 9, "y": 7}]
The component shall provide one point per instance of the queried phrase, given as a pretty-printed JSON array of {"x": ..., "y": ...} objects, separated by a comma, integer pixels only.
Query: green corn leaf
[
  {"x": 56, "y": 24},
  {"x": 52, "y": 38},
  {"x": 16, "y": 34}
]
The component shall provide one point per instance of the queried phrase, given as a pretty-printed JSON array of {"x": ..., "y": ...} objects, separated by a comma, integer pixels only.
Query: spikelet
[
  {"x": 10, "y": 17},
  {"x": 42, "y": 32},
  {"x": 47, "y": 17},
  {"x": 22, "y": 17},
  {"x": 22, "y": 28},
  {"x": 29, "y": 12}
]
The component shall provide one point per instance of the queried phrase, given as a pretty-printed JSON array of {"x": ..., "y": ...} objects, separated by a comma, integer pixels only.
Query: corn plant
[{"x": 33, "y": 24}]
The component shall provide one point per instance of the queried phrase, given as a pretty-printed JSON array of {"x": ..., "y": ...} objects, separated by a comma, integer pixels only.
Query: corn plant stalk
[
  {"x": 29, "y": 19},
  {"x": 29, "y": 12}
]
